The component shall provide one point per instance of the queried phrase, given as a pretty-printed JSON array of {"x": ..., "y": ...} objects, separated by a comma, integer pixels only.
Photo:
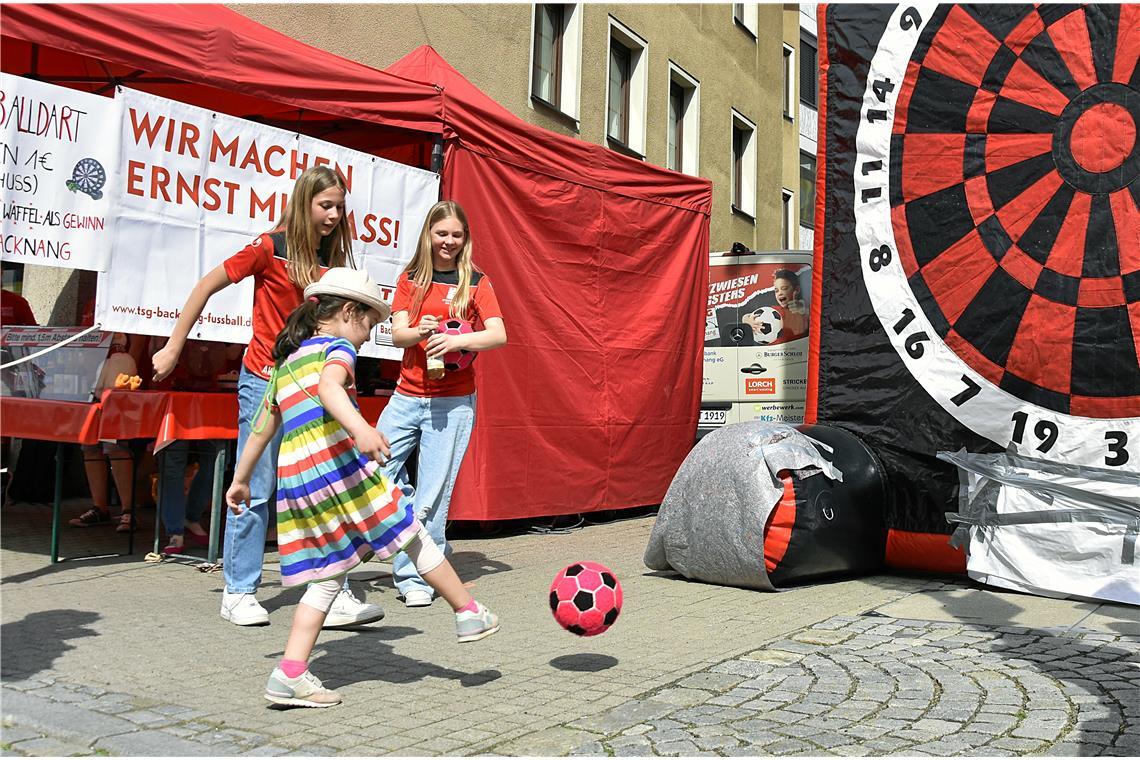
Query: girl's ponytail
[{"x": 301, "y": 325}]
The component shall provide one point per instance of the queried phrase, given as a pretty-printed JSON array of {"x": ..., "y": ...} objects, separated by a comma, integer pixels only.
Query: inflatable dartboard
[{"x": 981, "y": 180}]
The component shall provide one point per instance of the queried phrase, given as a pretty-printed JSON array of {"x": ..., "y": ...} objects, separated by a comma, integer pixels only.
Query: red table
[{"x": 164, "y": 416}]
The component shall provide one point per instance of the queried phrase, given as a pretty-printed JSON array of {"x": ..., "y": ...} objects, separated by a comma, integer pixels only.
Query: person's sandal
[
  {"x": 124, "y": 525},
  {"x": 93, "y": 516}
]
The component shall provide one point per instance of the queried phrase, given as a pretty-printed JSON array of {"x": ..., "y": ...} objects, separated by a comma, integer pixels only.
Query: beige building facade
[
  {"x": 702, "y": 88},
  {"x": 707, "y": 89}
]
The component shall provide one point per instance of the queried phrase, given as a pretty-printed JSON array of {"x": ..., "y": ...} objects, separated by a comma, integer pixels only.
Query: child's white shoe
[
  {"x": 472, "y": 626},
  {"x": 306, "y": 690}
]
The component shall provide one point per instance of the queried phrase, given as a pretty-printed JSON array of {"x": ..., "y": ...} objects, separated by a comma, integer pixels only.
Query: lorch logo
[{"x": 765, "y": 386}]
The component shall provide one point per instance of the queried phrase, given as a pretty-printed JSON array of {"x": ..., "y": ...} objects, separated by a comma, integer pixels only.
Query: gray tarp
[{"x": 711, "y": 524}]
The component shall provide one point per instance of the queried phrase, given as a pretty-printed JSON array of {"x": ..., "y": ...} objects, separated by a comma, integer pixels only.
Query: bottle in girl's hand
[{"x": 435, "y": 368}]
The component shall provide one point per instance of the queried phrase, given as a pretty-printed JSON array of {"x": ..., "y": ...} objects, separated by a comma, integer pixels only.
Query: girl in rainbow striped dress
[{"x": 335, "y": 508}]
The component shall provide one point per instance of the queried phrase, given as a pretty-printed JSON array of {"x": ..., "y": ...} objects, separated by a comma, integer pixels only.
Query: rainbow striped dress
[{"x": 335, "y": 509}]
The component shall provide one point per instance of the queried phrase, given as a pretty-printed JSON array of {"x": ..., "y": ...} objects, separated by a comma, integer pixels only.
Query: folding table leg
[
  {"x": 159, "y": 460},
  {"x": 218, "y": 502},
  {"x": 57, "y": 502}
]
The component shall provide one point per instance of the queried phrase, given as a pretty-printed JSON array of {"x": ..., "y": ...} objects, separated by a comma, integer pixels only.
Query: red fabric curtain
[{"x": 600, "y": 263}]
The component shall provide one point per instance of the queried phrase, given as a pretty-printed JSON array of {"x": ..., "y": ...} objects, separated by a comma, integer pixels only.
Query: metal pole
[
  {"x": 56, "y": 503},
  {"x": 218, "y": 501}
]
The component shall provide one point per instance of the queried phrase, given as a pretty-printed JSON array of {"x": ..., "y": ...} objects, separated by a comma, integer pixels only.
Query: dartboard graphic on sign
[
  {"x": 996, "y": 208},
  {"x": 977, "y": 250}
]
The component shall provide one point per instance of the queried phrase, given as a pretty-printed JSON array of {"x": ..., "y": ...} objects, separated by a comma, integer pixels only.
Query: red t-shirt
[
  {"x": 274, "y": 295},
  {"x": 413, "y": 370},
  {"x": 14, "y": 310}
]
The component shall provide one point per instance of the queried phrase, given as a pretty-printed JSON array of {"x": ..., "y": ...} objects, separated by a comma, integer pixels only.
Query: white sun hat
[{"x": 354, "y": 284}]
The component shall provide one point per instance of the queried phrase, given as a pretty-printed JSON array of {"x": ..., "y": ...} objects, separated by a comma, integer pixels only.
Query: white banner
[
  {"x": 59, "y": 164},
  {"x": 199, "y": 186}
]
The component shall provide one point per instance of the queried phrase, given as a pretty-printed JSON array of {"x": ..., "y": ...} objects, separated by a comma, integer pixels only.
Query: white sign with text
[
  {"x": 198, "y": 186},
  {"x": 59, "y": 163}
]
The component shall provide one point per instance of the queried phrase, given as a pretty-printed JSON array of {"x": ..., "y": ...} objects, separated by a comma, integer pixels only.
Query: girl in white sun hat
[{"x": 335, "y": 508}]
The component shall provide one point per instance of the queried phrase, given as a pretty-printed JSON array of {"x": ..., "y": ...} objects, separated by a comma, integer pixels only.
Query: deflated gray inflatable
[{"x": 711, "y": 524}]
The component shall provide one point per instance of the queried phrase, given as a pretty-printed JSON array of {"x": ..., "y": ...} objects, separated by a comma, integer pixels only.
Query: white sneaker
[
  {"x": 417, "y": 598},
  {"x": 243, "y": 609},
  {"x": 348, "y": 610}
]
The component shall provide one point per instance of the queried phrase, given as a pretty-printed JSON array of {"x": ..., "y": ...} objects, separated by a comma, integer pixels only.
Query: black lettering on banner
[
  {"x": 907, "y": 318},
  {"x": 881, "y": 88},
  {"x": 872, "y": 166},
  {"x": 972, "y": 389},
  {"x": 875, "y": 114},
  {"x": 913, "y": 343},
  {"x": 1117, "y": 441},
  {"x": 870, "y": 192},
  {"x": 910, "y": 19},
  {"x": 1046, "y": 431},
  {"x": 879, "y": 257}
]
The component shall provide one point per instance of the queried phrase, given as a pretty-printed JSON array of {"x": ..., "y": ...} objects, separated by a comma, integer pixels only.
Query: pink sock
[
  {"x": 293, "y": 668},
  {"x": 471, "y": 606}
]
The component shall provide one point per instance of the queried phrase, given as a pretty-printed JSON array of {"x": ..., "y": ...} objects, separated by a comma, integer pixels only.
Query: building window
[
  {"x": 788, "y": 225},
  {"x": 547, "y": 75},
  {"x": 809, "y": 71},
  {"x": 676, "y": 127},
  {"x": 807, "y": 189},
  {"x": 557, "y": 57},
  {"x": 789, "y": 82},
  {"x": 618, "y": 111},
  {"x": 746, "y": 16},
  {"x": 626, "y": 89},
  {"x": 743, "y": 165},
  {"x": 683, "y": 127}
]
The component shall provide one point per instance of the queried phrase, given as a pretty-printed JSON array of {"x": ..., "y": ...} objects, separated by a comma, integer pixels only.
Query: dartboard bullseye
[{"x": 997, "y": 194}]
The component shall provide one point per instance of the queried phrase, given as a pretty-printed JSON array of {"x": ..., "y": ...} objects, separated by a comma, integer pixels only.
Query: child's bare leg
[
  {"x": 290, "y": 684},
  {"x": 434, "y": 568},
  {"x": 447, "y": 584},
  {"x": 308, "y": 619}
]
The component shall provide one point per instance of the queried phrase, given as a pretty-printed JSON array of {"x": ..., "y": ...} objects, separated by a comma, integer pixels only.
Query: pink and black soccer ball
[
  {"x": 456, "y": 360},
  {"x": 585, "y": 598}
]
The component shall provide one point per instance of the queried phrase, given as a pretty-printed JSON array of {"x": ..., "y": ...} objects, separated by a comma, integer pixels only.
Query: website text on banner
[
  {"x": 59, "y": 159},
  {"x": 198, "y": 186}
]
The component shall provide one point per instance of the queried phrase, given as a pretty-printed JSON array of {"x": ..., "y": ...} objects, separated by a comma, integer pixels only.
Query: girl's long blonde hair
[
  {"x": 301, "y": 240},
  {"x": 421, "y": 269}
]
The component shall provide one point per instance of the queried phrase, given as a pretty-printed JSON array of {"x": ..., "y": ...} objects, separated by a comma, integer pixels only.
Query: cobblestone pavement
[{"x": 112, "y": 656}]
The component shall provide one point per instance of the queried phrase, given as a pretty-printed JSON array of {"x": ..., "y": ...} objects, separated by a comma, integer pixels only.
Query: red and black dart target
[{"x": 1015, "y": 197}]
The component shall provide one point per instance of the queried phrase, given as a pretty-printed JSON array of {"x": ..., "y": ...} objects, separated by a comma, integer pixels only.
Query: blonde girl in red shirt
[
  {"x": 436, "y": 414},
  {"x": 314, "y": 236}
]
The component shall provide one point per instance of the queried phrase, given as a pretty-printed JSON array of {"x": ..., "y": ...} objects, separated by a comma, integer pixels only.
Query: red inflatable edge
[
  {"x": 928, "y": 552},
  {"x": 778, "y": 530}
]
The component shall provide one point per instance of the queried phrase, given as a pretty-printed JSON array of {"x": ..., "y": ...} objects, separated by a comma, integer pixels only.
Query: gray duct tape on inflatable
[
  {"x": 711, "y": 523},
  {"x": 982, "y": 476}
]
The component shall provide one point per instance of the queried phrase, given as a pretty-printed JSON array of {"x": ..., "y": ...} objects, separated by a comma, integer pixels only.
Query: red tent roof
[{"x": 210, "y": 56}]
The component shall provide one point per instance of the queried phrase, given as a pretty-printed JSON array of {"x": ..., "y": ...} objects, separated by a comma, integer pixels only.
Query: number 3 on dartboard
[
  {"x": 1117, "y": 453},
  {"x": 879, "y": 257},
  {"x": 1046, "y": 431}
]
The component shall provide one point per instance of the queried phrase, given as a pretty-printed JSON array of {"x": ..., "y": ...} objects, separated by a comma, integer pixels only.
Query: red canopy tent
[{"x": 600, "y": 260}]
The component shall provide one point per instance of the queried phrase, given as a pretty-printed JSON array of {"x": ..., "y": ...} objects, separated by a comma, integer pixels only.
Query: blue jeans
[
  {"x": 177, "y": 506},
  {"x": 244, "y": 547},
  {"x": 441, "y": 427}
]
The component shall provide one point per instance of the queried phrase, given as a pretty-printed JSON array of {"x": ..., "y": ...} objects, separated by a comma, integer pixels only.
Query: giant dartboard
[{"x": 982, "y": 162}]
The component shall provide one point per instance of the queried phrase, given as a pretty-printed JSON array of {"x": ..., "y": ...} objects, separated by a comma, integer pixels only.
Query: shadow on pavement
[
  {"x": 472, "y": 565},
  {"x": 341, "y": 663},
  {"x": 584, "y": 663},
  {"x": 32, "y": 645}
]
